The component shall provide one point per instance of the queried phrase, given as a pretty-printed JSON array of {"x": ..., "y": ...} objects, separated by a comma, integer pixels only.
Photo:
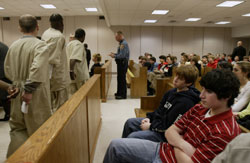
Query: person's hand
[
  {"x": 187, "y": 148},
  {"x": 236, "y": 115},
  {"x": 12, "y": 91},
  {"x": 112, "y": 55},
  {"x": 72, "y": 75},
  {"x": 27, "y": 97}
]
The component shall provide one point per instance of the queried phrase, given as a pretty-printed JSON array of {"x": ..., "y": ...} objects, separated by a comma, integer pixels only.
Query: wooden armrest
[
  {"x": 141, "y": 113},
  {"x": 244, "y": 130}
]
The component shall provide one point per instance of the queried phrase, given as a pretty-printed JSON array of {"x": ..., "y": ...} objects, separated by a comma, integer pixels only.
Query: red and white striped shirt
[{"x": 208, "y": 135}]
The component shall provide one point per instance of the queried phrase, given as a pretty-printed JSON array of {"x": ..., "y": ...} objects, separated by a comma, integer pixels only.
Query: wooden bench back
[
  {"x": 70, "y": 134},
  {"x": 106, "y": 76}
]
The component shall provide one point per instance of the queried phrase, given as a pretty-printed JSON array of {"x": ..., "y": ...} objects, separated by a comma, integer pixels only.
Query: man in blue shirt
[{"x": 121, "y": 58}]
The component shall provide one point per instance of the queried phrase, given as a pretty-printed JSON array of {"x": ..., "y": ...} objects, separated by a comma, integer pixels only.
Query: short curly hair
[{"x": 223, "y": 83}]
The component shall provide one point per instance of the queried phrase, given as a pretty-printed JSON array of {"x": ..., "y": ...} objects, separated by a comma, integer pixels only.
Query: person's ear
[{"x": 20, "y": 29}]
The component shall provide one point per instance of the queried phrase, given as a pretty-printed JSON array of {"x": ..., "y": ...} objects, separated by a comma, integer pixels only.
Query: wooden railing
[
  {"x": 137, "y": 77},
  {"x": 69, "y": 136},
  {"x": 106, "y": 76}
]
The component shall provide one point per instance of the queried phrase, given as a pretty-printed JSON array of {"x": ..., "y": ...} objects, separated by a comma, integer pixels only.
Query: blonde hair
[
  {"x": 187, "y": 72},
  {"x": 98, "y": 57},
  {"x": 245, "y": 67}
]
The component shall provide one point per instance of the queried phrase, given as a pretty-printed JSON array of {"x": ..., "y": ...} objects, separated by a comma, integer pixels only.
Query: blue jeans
[
  {"x": 132, "y": 151},
  {"x": 132, "y": 129}
]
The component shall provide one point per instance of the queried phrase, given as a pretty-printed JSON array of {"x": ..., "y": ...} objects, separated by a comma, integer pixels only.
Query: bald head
[
  {"x": 27, "y": 23},
  {"x": 239, "y": 43}
]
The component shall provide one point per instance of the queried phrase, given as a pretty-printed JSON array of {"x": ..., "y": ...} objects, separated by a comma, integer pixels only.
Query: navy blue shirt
[{"x": 123, "y": 50}]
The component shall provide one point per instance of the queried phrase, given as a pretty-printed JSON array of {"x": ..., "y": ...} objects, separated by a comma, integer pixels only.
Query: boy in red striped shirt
[{"x": 201, "y": 133}]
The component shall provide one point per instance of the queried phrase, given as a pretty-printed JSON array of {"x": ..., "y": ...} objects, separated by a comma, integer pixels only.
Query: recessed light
[
  {"x": 1, "y": 8},
  {"x": 48, "y": 6},
  {"x": 91, "y": 9},
  {"x": 160, "y": 12},
  {"x": 223, "y": 22},
  {"x": 229, "y": 3},
  {"x": 150, "y": 21},
  {"x": 246, "y": 14},
  {"x": 192, "y": 19}
]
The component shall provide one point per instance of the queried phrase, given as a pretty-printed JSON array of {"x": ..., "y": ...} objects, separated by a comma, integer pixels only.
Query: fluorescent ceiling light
[
  {"x": 192, "y": 19},
  {"x": 246, "y": 14},
  {"x": 1, "y": 8},
  {"x": 160, "y": 12},
  {"x": 229, "y": 3},
  {"x": 48, "y": 6},
  {"x": 150, "y": 21},
  {"x": 91, "y": 9},
  {"x": 223, "y": 22}
]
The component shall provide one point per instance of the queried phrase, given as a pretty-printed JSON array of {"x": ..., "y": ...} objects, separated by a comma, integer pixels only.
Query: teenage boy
[
  {"x": 200, "y": 134},
  {"x": 27, "y": 66},
  {"x": 173, "y": 105}
]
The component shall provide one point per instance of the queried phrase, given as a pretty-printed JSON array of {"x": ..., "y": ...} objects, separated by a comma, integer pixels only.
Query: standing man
[
  {"x": 239, "y": 51},
  {"x": 88, "y": 54},
  {"x": 77, "y": 61},
  {"x": 26, "y": 65},
  {"x": 59, "y": 79},
  {"x": 3, "y": 93},
  {"x": 121, "y": 58}
]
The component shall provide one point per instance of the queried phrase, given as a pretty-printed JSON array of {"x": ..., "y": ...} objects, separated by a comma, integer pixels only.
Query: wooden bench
[
  {"x": 244, "y": 130},
  {"x": 106, "y": 76},
  {"x": 70, "y": 135},
  {"x": 137, "y": 79}
]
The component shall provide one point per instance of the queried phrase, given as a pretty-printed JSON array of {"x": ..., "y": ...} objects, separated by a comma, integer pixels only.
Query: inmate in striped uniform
[{"x": 208, "y": 135}]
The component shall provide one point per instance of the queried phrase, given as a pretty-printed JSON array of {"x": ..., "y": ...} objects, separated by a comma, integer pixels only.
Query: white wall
[{"x": 153, "y": 39}]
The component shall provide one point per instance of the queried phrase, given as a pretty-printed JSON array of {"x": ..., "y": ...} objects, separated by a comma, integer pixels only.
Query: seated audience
[
  {"x": 167, "y": 69},
  {"x": 139, "y": 59},
  {"x": 225, "y": 65},
  {"x": 173, "y": 105},
  {"x": 162, "y": 62},
  {"x": 194, "y": 61},
  {"x": 145, "y": 63},
  {"x": 212, "y": 62},
  {"x": 245, "y": 58},
  {"x": 153, "y": 63},
  {"x": 96, "y": 58},
  {"x": 242, "y": 71},
  {"x": 184, "y": 60},
  {"x": 229, "y": 58},
  {"x": 236, "y": 59},
  {"x": 204, "y": 60},
  {"x": 198, "y": 136}
]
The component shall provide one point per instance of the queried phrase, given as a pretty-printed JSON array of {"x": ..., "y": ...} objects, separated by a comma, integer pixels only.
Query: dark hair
[
  {"x": 153, "y": 59},
  {"x": 223, "y": 83},
  {"x": 56, "y": 18},
  {"x": 56, "y": 21},
  {"x": 79, "y": 33},
  {"x": 28, "y": 23},
  {"x": 225, "y": 65},
  {"x": 187, "y": 72},
  {"x": 85, "y": 46},
  {"x": 163, "y": 57}
]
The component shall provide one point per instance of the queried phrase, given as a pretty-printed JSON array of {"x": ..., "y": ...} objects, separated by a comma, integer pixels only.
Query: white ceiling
[{"x": 134, "y": 12}]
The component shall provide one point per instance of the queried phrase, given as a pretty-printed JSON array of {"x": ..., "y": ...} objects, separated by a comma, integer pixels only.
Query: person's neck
[
  {"x": 29, "y": 34},
  {"x": 218, "y": 110},
  {"x": 243, "y": 82},
  {"x": 182, "y": 89},
  {"x": 96, "y": 62}
]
